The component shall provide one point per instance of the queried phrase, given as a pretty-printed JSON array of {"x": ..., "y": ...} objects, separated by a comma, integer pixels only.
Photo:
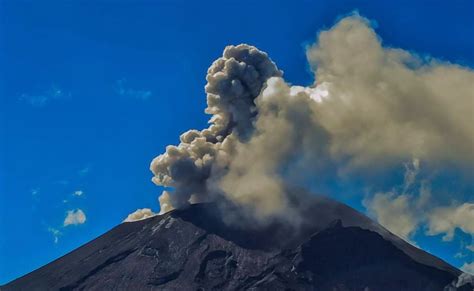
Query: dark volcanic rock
[{"x": 337, "y": 249}]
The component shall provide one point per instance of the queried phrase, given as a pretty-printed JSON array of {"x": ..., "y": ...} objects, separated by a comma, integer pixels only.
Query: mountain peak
[{"x": 195, "y": 249}]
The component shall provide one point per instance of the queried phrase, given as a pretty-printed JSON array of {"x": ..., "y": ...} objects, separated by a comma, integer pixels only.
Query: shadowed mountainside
[{"x": 337, "y": 248}]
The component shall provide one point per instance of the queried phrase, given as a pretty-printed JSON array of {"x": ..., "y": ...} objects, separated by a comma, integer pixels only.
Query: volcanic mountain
[{"x": 337, "y": 248}]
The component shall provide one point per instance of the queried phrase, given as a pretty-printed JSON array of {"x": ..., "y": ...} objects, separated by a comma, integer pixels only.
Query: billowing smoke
[
  {"x": 234, "y": 81},
  {"x": 139, "y": 214},
  {"x": 370, "y": 108}
]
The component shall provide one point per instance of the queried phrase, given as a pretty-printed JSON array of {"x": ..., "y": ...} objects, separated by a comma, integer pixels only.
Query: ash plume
[
  {"x": 371, "y": 108},
  {"x": 234, "y": 81}
]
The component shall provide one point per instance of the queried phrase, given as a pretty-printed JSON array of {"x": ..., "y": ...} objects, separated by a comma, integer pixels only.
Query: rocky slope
[{"x": 192, "y": 249}]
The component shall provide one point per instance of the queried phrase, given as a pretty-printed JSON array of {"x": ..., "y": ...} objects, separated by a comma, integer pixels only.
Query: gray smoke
[
  {"x": 234, "y": 81},
  {"x": 371, "y": 107}
]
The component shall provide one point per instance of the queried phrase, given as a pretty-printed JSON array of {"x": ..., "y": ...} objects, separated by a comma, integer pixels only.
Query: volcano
[{"x": 336, "y": 248}]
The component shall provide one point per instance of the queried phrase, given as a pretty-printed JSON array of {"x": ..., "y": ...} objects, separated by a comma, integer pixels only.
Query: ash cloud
[
  {"x": 388, "y": 105},
  {"x": 371, "y": 108}
]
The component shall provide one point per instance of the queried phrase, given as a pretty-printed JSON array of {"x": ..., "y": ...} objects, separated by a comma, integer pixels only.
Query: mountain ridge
[{"x": 193, "y": 248}]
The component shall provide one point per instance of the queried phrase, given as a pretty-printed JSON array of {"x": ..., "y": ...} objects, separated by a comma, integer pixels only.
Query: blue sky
[{"x": 91, "y": 91}]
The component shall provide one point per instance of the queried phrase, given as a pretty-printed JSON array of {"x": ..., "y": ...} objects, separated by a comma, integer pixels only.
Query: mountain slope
[{"x": 192, "y": 249}]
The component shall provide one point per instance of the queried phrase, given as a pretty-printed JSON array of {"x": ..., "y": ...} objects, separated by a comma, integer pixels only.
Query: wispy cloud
[
  {"x": 56, "y": 234},
  {"x": 124, "y": 90},
  {"x": 35, "y": 191},
  {"x": 84, "y": 171},
  {"x": 459, "y": 255},
  {"x": 78, "y": 193},
  {"x": 74, "y": 217},
  {"x": 40, "y": 100},
  {"x": 68, "y": 192},
  {"x": 62, "y": 182}
]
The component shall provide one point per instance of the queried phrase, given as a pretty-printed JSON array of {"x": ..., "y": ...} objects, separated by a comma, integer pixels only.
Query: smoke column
[{"x": 371, "y": 108}]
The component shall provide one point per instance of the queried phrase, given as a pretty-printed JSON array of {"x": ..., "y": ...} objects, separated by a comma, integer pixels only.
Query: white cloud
[
  {"x": 78, "y": 193},
  {"x": 74, "y": 217},
  {"x": 84, "y": 171},
  {"x": 56, "y": 234},
  {"x": 123, "y": 90},
  {"x": 40, "y": 100},
  {"x": 140, "y": 214}
]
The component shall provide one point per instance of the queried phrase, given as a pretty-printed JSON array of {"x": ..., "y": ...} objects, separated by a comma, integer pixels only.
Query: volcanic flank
[{"x": 336, "y": 248}]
